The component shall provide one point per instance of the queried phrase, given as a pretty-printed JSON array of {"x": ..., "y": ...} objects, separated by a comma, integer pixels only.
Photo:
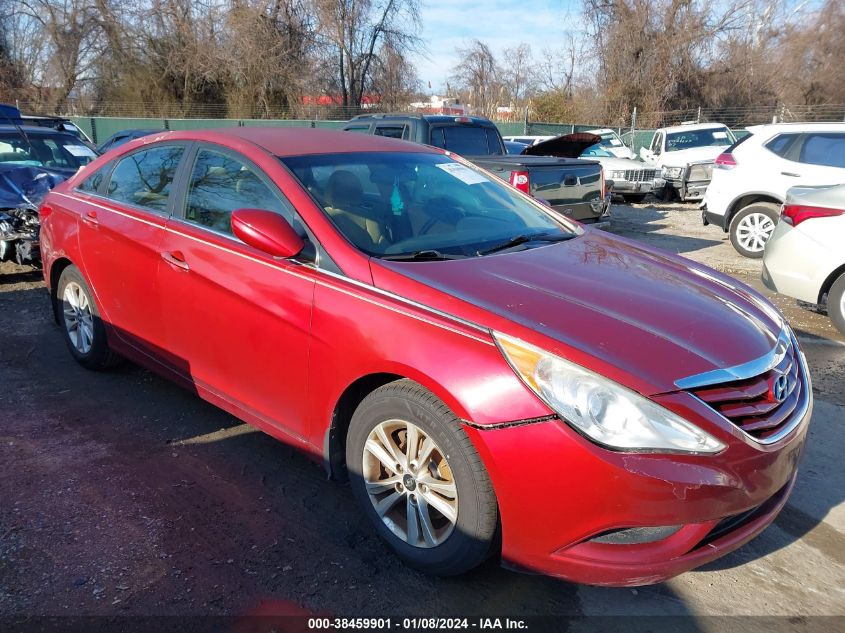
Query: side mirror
[
  {"x": 266, "y": 231},
  {"x": 646, "y": 154}
]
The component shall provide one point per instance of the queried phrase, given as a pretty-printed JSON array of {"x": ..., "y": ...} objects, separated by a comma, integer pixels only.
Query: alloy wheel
[
  {"x": 78, "y": 317},
  {"x": 753, "y": 231},
  {"x": 410, "y": 484}
]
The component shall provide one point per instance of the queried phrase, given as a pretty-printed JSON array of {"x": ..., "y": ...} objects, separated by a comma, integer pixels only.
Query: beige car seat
[{"x": 345, "y": 204}]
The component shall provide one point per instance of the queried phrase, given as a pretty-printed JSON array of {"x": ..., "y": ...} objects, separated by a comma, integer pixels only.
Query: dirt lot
[{"x": 122, "y": 494}]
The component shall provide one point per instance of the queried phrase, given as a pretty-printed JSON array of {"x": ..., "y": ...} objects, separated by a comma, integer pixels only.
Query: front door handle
[
  {"x": 90, "y": 218},
  {"x": 177, "y": 260},
  {"x": 790, "y": 174}
]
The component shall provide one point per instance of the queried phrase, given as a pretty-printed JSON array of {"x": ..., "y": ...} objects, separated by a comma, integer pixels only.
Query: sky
[{"x": 448, "y": 24}]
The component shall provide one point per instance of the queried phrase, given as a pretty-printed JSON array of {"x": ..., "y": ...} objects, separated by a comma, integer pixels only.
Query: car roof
[
  {"x": 35, "y": 130},
  {"x": 299, "y": 141},
  {"x": 431, "y": 118},
  {"x": 692, "y": 126},
  {"x": 796, "y": 127}
]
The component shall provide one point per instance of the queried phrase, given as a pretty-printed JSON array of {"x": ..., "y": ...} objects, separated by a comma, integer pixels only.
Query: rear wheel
[
  {"x": 82, "y": 327},
  {"x": 751, "y": 228},
  {"x": 417, "y": 476},
  {"x": 836, "y": 303}
]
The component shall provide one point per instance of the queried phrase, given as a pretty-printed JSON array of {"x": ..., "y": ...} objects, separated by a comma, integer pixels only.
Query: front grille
[
  {"x": 640, "y": 175},
  {"x": 752, "y": 404},
  {"x": 702, "y": 171}
]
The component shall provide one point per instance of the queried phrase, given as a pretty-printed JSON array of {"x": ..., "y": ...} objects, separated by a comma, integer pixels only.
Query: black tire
[
  {"x": 633, "y": 198},
  {"x": 99, "y": 356},
  {"x": 767, "y": 209},
  {"x": 836, "y": 303},
  {"x": 474, "y": 535}
]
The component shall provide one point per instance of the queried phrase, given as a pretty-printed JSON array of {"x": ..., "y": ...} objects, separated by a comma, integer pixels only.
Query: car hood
[
  {"x": 26, "y": 185},
  {"x": 619, "y": 164},
  {"x": 686, "y": 156},
  {"x": 566, "y": 146},
  {"x": 637, "y": 316}
]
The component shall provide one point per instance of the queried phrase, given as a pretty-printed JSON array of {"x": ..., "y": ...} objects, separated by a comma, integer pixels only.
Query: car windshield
[
  {"x": 466, "y": 140},
  {"x": 687, "y": 139},
  {"x": 609, "y": 139},
  {"x": 406, "y": 204},
  {"x": 58, "y": 151},
  {"x": 597, "y": 150}
]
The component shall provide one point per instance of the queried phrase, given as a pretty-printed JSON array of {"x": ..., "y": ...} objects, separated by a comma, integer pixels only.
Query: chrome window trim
[{"x": 743, "y": 371}]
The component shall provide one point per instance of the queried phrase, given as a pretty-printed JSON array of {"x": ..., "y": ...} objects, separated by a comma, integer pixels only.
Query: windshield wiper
[
  {"x": 524, "y": 238},
  {"x": 429, "y": 255}
]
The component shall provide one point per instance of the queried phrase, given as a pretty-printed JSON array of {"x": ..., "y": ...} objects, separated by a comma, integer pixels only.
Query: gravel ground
[{"x": 122, "y": 494}]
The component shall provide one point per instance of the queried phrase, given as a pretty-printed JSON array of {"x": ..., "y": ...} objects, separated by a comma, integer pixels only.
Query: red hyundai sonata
[{"x": 490, "y": 376}]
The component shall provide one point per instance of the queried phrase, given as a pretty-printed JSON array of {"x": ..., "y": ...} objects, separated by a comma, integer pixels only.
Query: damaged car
[{"x": 33, "y": 160}]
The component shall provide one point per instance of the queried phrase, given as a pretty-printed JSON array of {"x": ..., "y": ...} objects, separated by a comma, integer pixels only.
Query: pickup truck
[{"x": 574, "y": 188}]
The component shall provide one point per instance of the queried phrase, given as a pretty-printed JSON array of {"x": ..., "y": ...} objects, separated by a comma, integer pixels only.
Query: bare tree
[
  {"x": 477, "y": 76},
  {"x": 353, "y": 30},
  {"x": 519, "y": 76}
]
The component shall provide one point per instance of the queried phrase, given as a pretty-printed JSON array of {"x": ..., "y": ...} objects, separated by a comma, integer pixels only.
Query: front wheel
[
  {"x": 419, "y": 479},
  {"x": 751, "y": 228},
  {"x": 836, "y": 303}
]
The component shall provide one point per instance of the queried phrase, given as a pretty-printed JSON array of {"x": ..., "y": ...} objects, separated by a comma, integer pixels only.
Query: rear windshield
[
  {"x": 467, "y": 140},
  {"x": 58, "y": 150}
]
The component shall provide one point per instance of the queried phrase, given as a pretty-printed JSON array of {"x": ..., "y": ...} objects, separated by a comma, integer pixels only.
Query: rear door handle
[
  {"x": 177, "y": 260},
  {"x": 90, "y": 218},
  {"x": 790, "y": 174}
]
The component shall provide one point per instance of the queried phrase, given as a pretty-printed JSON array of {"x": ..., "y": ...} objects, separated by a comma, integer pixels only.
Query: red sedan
[{"x": 491, "y": 377}]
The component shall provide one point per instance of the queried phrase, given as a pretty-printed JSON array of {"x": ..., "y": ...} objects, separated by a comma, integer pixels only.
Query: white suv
[{"x": 751, "y": 177}]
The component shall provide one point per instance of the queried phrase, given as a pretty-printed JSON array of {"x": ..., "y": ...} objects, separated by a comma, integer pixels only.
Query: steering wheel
[{"x": 442, "y": 209}]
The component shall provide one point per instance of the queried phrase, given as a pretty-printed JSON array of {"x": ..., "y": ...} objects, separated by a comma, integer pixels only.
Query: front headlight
[
  {"x": 604, "y": 411},
  {"x": 671, "y": 172}
]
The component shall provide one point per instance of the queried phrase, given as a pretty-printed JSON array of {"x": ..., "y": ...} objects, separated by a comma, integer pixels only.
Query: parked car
[
  {"x": 11, "y": 115},
  {"x": 632, "y": 179},
  {"x": 611, "y": 142},
  {"x": 32, "y": 160},
  {"x": 528, "y": 139},
  {"x": 753, "y": 175},
  {"x": 684, "y": 154},
  {"x": 805, "y": 256},
  {"x": 572, "y": 187},
  {"x": 513, "y": 147},
  {"x": 489, "y": 375},
  {"x": 124, "y": 136}
]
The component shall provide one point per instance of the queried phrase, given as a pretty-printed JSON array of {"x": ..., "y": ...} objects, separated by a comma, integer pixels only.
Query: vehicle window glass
[
  {"x": 219, "y": 184},
  {"x": 145, "y": 178},
  {"x": 657, "y": 144},
  {"x": 61, "y": 151},
  {"x": 597, "y": 150},
  {"x": 93, "y": 182},
  {"x": 826, "y": 149},
  {"x": 781, "y": 143},
  {"x": 463, "y": 139},
  {"x": 390, "y": 131},
  {"x": 360, "y": 129},
  {"x": 396, "y": 203},
  {"x": 687, "y": 139}
]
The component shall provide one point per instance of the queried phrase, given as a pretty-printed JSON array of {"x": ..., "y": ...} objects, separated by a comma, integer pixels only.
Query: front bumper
[
  {"x": 557, "y": 492},
  {"x": 687, "y": 190}
]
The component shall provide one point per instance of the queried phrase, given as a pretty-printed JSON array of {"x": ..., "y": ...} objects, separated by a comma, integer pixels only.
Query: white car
[
  {"x": 611, "y": 142},
  {"x": 805, "y": 255},
  {"x": 751, "y": 178},
  {"x": 632, "y": 179},
  {"x": 684, "y": 154}
]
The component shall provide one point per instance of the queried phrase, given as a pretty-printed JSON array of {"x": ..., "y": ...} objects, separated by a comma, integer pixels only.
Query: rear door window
[
  {"x": 145, "y": 178},
  {"x": 781, "y": 144},
  {"x": 391, "y": 131},
  {"x": 827, "y": 149}
]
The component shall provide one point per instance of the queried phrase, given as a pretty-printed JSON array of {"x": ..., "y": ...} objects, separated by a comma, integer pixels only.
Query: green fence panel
[
  {"x": 511, "y": 128},
  {"x": 201, "y": 124},
  {"x": 84, "y": 124},
  {"x": 275, "y": 123}
]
